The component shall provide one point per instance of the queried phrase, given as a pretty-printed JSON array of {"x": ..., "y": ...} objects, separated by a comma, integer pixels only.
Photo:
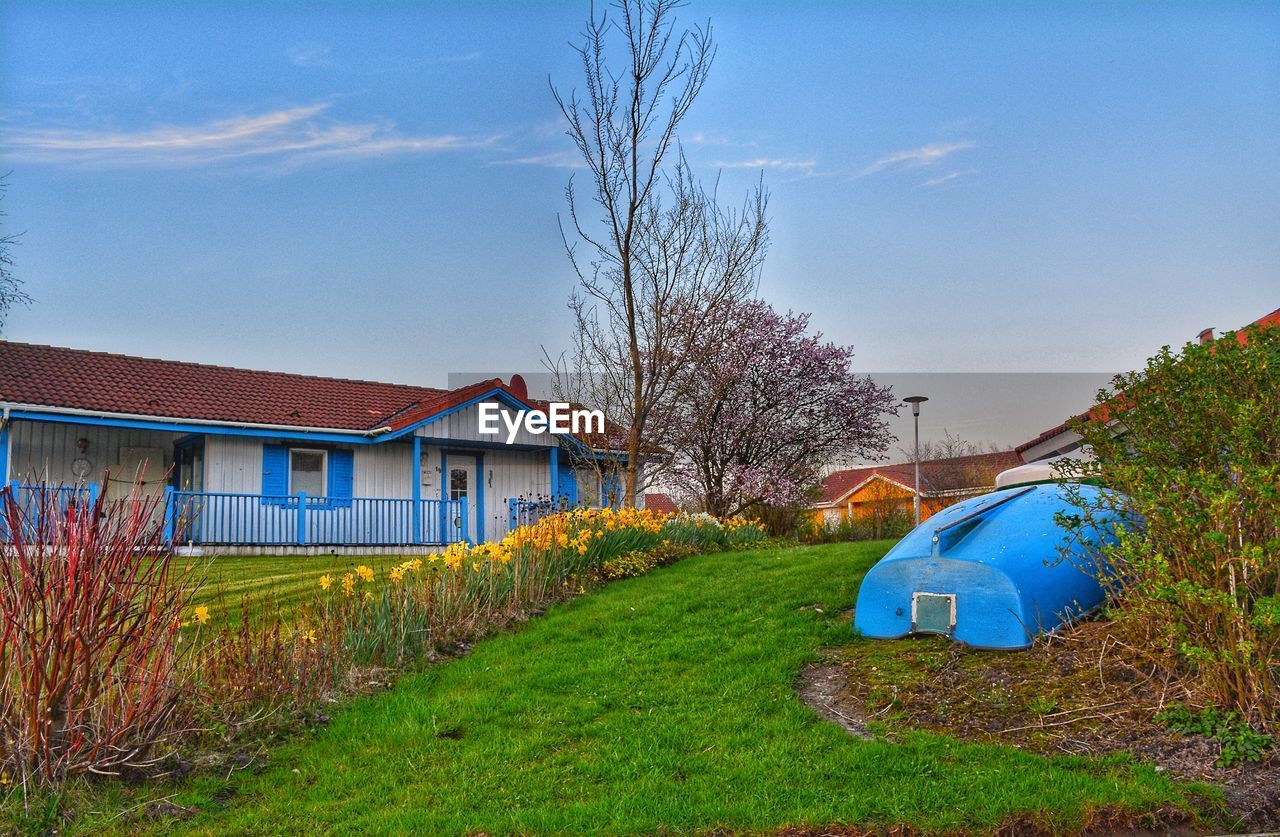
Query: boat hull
[{"x": 993, "y": 572}]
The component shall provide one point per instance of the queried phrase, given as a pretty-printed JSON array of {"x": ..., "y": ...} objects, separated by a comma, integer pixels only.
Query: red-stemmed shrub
[{"x": 91, "y": 642}]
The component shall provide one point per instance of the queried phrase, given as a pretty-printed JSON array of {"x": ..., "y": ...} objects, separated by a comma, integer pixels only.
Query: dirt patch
[
  {"x": 1102, "y": 821},
  {"x": 1074, "y": 695},
  {"x": 824, "y": 689}
]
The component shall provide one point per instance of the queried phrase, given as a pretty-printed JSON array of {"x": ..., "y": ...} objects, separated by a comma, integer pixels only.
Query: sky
[{"x": 373, "y": 189}]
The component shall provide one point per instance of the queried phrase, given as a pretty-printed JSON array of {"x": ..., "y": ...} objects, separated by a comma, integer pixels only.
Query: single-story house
[
  {"x": 877, "y": 492},
  {"x": 253, "y": 461}
]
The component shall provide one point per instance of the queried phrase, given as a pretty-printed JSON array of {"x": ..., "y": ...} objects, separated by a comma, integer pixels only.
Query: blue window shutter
[
  {"x": 341, "y": 474},
  {"x": 567, "y": 490},
  {"x": 275, "y": 470}
]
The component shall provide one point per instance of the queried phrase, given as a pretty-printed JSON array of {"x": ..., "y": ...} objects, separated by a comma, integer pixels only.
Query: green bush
[
  {"x": 1192, "y": 443},
  {"x": 894, "y": 524},
  {"x": 641, "y": 561},
  {"x": 1240, "y": 742}
]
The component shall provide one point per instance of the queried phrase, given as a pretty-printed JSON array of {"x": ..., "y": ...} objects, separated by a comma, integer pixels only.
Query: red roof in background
[
  {"x": 839, "y": 483},
  {"x": 51, "y": 376},
  {"x": 661, "y": 503},
  {"x": 1272, "y": 319},
  {"x": 1049, "y": 434},
  {"x": 1268, "y": 320}
]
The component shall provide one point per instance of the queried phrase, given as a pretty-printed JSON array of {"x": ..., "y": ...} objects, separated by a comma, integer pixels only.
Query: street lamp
[{"x": 915, "y": 401}]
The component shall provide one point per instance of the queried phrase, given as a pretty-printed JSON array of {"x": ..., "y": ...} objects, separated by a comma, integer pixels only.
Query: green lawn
[
  {"x": 661, "y": 703},
  {"x": 288, "y": 580}
]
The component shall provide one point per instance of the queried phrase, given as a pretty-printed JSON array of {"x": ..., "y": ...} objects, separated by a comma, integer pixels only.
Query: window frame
[
  {"x": 324, "y": 470},
  {"x": 465, "y": 473}
]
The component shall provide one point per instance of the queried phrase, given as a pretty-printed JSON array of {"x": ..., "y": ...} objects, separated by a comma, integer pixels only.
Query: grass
[
  {"x": 288, "y": 581},
  {"x": 661, "y": 703}
]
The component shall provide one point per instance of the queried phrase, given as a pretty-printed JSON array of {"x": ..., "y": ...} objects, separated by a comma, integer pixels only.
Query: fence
[
  {"x": 216, "y": 518},
  {"x": 32, "y": 504},
  {"x": 199, "y": 517},
  {"x": 522, "y": 512}
]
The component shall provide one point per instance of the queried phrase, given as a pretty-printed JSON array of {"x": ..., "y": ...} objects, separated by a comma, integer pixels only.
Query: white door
[{"x": 460, "y": 484}]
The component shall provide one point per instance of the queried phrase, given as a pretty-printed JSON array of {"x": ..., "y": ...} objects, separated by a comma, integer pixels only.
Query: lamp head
[{"x": 915, "y": 401}]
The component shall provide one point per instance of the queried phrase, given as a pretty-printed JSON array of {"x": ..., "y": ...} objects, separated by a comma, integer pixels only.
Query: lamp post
[{"x": 915, "y": 401}]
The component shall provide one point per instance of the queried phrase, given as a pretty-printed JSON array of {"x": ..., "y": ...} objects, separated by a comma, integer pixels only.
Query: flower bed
[{"x": 214, "y": 677}]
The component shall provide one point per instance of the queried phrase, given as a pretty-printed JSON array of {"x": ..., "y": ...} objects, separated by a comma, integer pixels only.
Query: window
[
  {"x": 457, "y": 483},
  {"x": 307, "y": 471}
]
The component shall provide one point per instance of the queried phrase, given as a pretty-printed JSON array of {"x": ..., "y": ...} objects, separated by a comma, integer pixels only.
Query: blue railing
[
  {"x": 201, "y": 517},
  {"x": 525, "y": 512},
  {"x": 34, "y": 501}
]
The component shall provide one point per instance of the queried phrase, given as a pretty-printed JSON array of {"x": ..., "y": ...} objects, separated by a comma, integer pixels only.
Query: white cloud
[
  {"x": 704, "y": 138},
  {"x": 460, "y": 58},
  {"x": 293, "y": 134},
  {"x": 555, "y": 160},
  {"x": 765, "y": 163},
  {"x": 310, "y": 55},
  {"x": 946, "y": 178},
  {"x": 914, "y": 158}
]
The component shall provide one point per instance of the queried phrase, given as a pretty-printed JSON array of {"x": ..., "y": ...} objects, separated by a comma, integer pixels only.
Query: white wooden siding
[
  {"x": 384, "y": 470},
  {"x": 508, "y": 474},
  {"x": 233, "y": 464},
  {"x": 464, "y": 425},
  {"x": 44, "y": 451}
]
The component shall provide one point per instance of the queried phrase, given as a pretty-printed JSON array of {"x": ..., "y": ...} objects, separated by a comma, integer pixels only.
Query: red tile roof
[
  {"x": 933, "y": 474},
  {"x": 50, "y": 376},
  {"x": 661, "y": 503}
]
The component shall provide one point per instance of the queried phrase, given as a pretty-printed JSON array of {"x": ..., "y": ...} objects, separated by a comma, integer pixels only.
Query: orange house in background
[{"x": 877, "y": 493}]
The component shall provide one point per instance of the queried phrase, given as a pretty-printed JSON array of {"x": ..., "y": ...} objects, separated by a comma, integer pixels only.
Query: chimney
[
  {"x": 519, "y": 388},
  {"x": 1206, "y": 336}
]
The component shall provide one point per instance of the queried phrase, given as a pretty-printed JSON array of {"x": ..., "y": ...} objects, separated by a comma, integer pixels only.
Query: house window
[
  {"x": 307, "y": 471},
  {"x": 457, "y": 483}
]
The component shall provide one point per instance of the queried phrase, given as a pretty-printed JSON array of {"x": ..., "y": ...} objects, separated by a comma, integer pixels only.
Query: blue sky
[{"x": 372, "y": 189}]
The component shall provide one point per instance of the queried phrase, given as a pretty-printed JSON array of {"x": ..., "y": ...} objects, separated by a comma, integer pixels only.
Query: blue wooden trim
[
  {"x": 500, "y": 394},
  {"x": 415, "y": 482},
  {"x": 444, "y": 490},
  {"x": 208, "y": 429},
  {"x": 468, "y": 444},
  {"x": 479, "y": 498},
  {"x": 302, "y": 518},
  {"x": 168, "y": 515},
  {"x": 4, "y": 454},
  {"x": 554, "y": 487}
]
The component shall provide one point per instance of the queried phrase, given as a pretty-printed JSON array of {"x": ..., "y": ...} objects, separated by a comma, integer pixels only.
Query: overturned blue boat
[{"x": 993, "y": 572}]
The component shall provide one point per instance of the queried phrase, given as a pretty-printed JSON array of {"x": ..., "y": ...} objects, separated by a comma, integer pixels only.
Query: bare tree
[
  {"x": 663, "y": 257},
  {"x": 11, "y": 292},
  {"x": 949, "y": 447},
  {"x": 953, "y": 463}
]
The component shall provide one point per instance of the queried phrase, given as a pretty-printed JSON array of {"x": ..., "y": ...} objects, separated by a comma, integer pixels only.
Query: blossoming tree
[{"x": 775, "y": 403}]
